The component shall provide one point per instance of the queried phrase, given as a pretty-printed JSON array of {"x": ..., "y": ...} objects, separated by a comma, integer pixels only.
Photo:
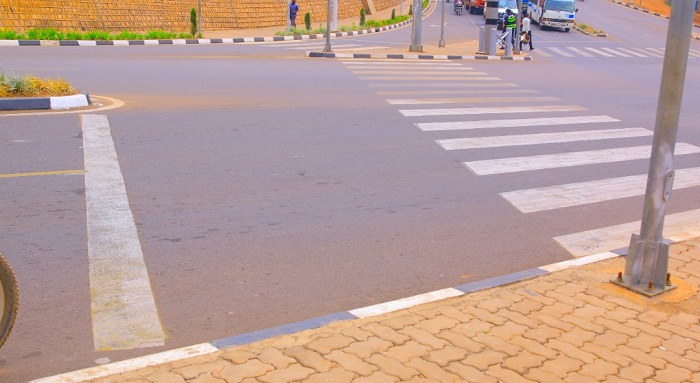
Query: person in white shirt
[{"x": 526, "y": 31}]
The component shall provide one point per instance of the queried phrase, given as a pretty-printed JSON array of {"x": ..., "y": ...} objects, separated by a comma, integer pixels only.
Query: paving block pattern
[{"x": 569, "y": 326}]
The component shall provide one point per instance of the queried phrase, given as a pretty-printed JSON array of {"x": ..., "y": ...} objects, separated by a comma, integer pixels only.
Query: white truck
[{"x": 552, "y": 13}]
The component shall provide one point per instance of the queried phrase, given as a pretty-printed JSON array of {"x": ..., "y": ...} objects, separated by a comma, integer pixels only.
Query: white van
[{"x": 552, "y": 13}]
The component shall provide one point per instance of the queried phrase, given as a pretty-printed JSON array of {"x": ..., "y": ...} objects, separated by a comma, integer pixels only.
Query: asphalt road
[{"x": 268, "y": 188}]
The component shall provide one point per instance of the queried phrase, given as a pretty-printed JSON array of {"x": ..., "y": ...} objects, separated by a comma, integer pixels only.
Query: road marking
[
  {"x": 464, "y": 85},
  {"x": 561, "y": 52},
  {"x": 551, "y": 161},
  {"x": 401, "y": 304},
  {"x": 38, "y": 174},
  {"x": 414, "y": 71},
  {"x": 580, "y": 51},
  {"x": 581, "y": 193},
  {"x": 632, "y": 52},
  {"x": 339, "y": 46},
  {"x": 491, "y": 110},
  {"x": 694, "y": 53},
  {"x": 360, "y": 48},
  {"x": 407, "y": 67},
  {"x": 597, "y": 51},
  {"x": 404, "y": 63},
  {"x": 426, "y": 101},
  {"x": 452, "y": 78},
  {"x": 487, "y": 124},
  {"x": 677, "y": 227},
  {"x": 615, "y": 52},
  {"x": 540, "y": 138},
  {"x": 453, "y": 92},
  {"x": 650, "y": 52},
  {"x": 540, "y": 52},
  {"x": 124, "y": 314}
]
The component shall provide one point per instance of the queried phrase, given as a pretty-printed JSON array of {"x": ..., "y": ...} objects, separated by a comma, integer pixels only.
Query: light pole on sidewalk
[
  {"x": 441, "y": 43},
  {"x": 327, "y": 47},
  {"x": 646, "y": 265},
  {"x": 417, "y": 27}
]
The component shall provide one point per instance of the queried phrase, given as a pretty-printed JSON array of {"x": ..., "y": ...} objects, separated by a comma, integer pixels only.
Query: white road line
[
  {"x": 465, "y": 85},
  {"x": 461, "y": 100},
  {"x": 580, "y": 193},
  {"x": 551, "y": 161},
  {"x": 491, "y": 110},
  {"x": 412, "y": 71},
  {"x": 408, "y": 67},
  {"x": 561, "y": 52},
  {"x": 580, "y": 51},
  {"x": 650, "y": 52},
  {"x": 677, "y": 227},
  {"x": 401, "y": 304},
  {"x": 405, "y": 63},
  {"x": 615, "y": 52},
  {"x": 337, "y": 46},
  {"x": 597, "y": 51},
  {"x": 659, "y": 51},
  {"x": 540, "y": 52},
  {"x": 632, "y": 52},
  {"x": 124, "y": 314},
  {"x": 694, "y": 53},
  {"x": 453, "y": 91},
  {"x": 365, "y": 48},
  {"x": 463, "y": 77},
  {"x": 487, "y": 124},
  {"x": 541, "y": 138}
]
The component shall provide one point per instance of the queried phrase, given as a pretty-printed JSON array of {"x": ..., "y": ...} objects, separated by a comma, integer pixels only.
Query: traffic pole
[
  {"x": 327, "y": 47},
  {"x": 491, "y": 13},
  {"x": 441, "y": 43},
  {"x": 646, "y": 264},
  {"x": 417, "y": 27}
]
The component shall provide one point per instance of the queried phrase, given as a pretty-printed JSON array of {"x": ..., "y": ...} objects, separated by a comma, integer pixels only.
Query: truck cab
[{"x": 553, "y": 13}]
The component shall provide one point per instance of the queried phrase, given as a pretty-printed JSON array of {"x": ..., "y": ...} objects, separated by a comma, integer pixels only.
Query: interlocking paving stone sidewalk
[{"x": 568, "y": 326}]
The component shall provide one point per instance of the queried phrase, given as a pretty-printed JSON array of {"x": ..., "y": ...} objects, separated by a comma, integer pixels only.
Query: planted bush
[
  {"x": 30, "y": 86},
  {"x": 393, "y": 13},
  {"x": 307, "y": 20},
  {"x": 193, "y": 21},
  {"x": 362, "y": 17}
]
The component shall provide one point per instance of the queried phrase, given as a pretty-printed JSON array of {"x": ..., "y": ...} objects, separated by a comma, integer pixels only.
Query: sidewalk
[{"x": 565, "y": 326}]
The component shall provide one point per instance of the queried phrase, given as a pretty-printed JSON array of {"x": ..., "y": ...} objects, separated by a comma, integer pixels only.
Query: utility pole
[
  {"x": 646, "y": 264},
  {"x": 199, "y": 10},
  {"x": 327, "y": 47},
  {"x": 441, "y": 43},
  {"x": 417, "y": 27},
  {"x": 289, "y": 24},
  {"x": 491, "y": 14}
]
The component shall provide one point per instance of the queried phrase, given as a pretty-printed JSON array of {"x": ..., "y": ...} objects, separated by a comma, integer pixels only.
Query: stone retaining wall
[{"x": 167, "y": 15}]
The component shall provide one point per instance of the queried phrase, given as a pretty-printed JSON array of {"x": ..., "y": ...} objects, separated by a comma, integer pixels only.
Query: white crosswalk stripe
[
  {"x": 677, "y": 227},
  {"x": 487, "y": 124},
  {"x": 580, "y": 51},
  {"x": 651, "y": 52},
  {"x": 551, "y": 161},
  {"x": 455, "y": 92},
  {"x": 359, "y": 48},
  {"x": 599, "y": 52},
  {"x": 464, "y": 100},
  {"x": 615, "y": 52},
  {"x": 541, "y": 138},
  {"x": 492, "y": 110},
  {"x": 561, "y": 52},
  {"x": 580, "y": 193},
  {"x": 632, "y": 52}
]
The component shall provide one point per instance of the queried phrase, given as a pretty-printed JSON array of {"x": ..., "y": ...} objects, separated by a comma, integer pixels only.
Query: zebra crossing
[
  {"x": 445, "y": 101},
  {"x": 606, "y": 52},
  {"x": 319, "y": 44}
]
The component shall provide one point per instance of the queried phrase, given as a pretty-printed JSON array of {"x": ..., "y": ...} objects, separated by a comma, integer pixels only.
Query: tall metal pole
[
  {"x": 417, "y": 27},
  {"x": 441, "y": 43},
  {"x": 335, "y": 15},
  {"x": 517, "y": 31},
  {"x": 401, "y": 7},
  {"x": 199, "y": 11},
  {"x": 288, "y": 13},
  {"x": 491, "y": 13},
  {"x": 327, "y": 48},
  {"x": 646, "y": 266}
]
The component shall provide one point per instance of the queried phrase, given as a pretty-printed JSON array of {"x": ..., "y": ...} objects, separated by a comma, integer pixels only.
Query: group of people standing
[{"x": 509, "y": 22}]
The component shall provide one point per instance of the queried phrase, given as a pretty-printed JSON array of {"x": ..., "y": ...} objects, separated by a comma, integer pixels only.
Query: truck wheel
[{"x": 566, "y": 29}]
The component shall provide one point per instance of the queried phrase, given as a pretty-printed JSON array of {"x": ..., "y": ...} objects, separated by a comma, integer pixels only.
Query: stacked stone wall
[{"x": 167, "y": 15}]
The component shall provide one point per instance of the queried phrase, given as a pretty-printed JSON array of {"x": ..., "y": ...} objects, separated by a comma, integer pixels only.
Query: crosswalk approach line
[
  {"x": 466, "y": 100},
  {"x": 510, "y": 123},
  {"x": 124, "y": 313},
  {"x": 488, "y": 110},
  {"x": 552, "y": 161},
  {"x": 541, "y": 138},
  {"x": 581, "y": 193}
]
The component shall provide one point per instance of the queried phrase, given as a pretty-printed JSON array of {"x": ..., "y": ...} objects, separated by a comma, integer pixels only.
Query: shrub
[
  {"x": 307, "y": 20},
  {"x": 410, "y": 10},
  {"x": 393, "y": 13},
  {"x": 193, "y": 22},
  {"x": 362, "y": 17}
]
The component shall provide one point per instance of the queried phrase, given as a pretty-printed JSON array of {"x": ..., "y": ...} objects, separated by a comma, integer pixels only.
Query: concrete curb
[
  {"x": 233, "y": 40},
  {"x": 53, "y": 103},
  {"x": 291, "y": 328},
  {"x": 330, "y": 55}
]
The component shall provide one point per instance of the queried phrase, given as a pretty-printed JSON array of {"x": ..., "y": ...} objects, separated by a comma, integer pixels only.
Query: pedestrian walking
[
  {"x": 293, "y": 10},
  {"x": 526, "y": 32}
]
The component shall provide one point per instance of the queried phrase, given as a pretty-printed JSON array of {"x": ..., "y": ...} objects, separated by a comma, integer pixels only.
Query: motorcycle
[{"x": 458, "y": 7}]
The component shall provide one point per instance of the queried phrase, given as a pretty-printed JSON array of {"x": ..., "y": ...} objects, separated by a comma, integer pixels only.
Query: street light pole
[
  {"x": 417, "y": 27},
  {"x": 199, "y": 10},
  {"x": 289, "y": 25},
  {"x": 441, "y": 43},
  {"x": 327, "y": 47},
  {"x": 646, "y": 265}
]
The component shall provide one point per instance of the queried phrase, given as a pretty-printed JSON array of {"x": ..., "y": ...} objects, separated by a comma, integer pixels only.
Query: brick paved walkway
[{"x": 569, "y": 326}]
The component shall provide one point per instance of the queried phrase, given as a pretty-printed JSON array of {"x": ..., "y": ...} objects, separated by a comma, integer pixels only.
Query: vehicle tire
[
  {"x": 9, "y": 299},
  {"x": 567, "y": 29}
]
